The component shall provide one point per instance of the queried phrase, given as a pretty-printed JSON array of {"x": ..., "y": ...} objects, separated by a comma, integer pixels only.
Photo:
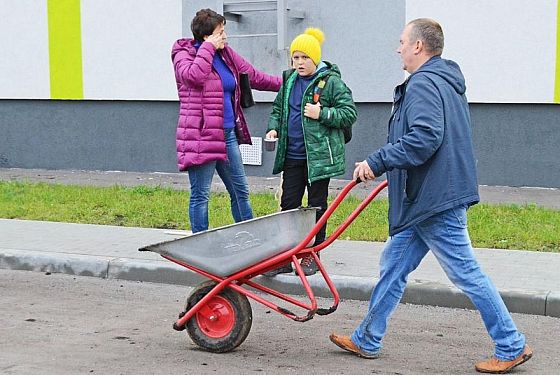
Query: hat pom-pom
[{"x": 316, "y": 33}]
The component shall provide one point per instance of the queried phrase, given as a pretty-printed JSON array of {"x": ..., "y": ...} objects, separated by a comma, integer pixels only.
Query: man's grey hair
[{"x": 429, "y": 32}]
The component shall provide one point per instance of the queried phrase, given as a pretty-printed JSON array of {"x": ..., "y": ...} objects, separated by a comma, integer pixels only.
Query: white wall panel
[
  {"x": 361, "y": 37},
  {"x": 24, "y": 50},
  {"x": 127, "y": 47},
  {"x": 506, "y": 48}
]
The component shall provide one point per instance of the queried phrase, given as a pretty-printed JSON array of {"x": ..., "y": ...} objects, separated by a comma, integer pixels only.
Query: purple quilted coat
[{"x": 200, "y": 128}]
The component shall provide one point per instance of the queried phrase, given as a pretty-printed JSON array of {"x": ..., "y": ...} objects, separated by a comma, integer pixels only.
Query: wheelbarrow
[{"x": 218, "y": 315}]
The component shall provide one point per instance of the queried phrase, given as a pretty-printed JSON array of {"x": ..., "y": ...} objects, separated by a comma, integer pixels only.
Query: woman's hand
[
  {"x": 216, "y": 40},
  {"x": 271, "y": 134}
]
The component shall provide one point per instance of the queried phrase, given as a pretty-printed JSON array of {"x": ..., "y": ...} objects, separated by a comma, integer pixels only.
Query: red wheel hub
[{"x": 217, "y": 318}]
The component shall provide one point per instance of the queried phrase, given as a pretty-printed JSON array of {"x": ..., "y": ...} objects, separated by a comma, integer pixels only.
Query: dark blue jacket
[{"x": 429, "y": 157}]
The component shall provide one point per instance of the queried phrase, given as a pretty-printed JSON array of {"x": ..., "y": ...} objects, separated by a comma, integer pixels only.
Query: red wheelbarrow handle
[{"x": 333, "y": 206}]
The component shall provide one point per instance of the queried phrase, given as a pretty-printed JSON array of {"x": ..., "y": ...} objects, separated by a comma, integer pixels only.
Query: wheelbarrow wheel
[{"x": 223, "y": 323}]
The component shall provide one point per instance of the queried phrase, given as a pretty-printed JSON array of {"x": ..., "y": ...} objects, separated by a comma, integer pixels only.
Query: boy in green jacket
[{"x": 308, "y": 116}]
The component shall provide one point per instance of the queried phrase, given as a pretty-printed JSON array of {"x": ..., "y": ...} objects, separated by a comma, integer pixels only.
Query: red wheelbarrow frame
[{"x": 243, "y": 277}]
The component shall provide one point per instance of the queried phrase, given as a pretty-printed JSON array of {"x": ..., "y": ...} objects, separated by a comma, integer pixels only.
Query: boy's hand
[{"x": 312, "y": 110}]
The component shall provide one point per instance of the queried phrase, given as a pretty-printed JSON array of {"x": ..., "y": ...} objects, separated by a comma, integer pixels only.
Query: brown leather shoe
[
  {"x": 495, "y": 366},
  {"x": 346, "y": 343}
]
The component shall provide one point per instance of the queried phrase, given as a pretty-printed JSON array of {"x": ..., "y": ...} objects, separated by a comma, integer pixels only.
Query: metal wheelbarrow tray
[
  {"x": 229, "y": 249},
  {"x": 218, "y": 315}
]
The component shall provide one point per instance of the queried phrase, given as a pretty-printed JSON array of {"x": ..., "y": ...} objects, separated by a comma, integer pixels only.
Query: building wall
[
  {"x": 516, "y": 145},
  {"x": 88, "y": 84},
  {"x": 120, "y": 49},
  {"x": 507, "y": 49}
]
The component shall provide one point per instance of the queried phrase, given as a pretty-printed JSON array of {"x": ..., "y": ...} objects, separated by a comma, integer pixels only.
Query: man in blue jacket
[{"x": 430, "y": 166}]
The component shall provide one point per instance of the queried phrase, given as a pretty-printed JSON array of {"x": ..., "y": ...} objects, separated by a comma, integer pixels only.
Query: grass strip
[{"x": 523, "y": 227}]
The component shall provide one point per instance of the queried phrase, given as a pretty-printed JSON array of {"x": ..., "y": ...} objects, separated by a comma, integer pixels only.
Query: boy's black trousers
[{"x": 294, "y": 184}]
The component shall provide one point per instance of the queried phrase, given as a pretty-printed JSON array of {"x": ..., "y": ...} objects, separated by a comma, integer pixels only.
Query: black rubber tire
[{"x": 241, "y": 325}]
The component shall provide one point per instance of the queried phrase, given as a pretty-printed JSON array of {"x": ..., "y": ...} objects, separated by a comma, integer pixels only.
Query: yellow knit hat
[{"x": 309, "y": 43}]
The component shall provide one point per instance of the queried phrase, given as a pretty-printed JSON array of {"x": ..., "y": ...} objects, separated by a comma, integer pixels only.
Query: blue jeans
[
  {"x": 233, "y": 176},
  {"x": 447, "y": 236}
]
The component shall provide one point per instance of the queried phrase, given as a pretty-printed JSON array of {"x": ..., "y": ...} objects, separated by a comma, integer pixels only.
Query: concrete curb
[
  {"x": 418, "y": 292},
  {"x": 553, "y": 304},
  {"x": 71, "y": 264}
]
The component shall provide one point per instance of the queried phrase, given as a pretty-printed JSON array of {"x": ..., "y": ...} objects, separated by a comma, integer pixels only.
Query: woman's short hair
[
  {"x": 430, "y": 32},
  {"x": 205, "y": 22}
]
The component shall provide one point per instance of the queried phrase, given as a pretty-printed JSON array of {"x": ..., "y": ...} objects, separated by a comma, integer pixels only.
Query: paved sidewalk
[{"x": 528, "y": 281}]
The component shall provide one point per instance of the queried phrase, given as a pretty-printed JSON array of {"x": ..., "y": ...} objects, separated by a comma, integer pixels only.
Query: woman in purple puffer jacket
[{"x": 211, "y": 123}]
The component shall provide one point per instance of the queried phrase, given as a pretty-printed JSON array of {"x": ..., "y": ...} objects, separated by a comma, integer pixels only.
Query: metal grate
[{"x": 252, "y": 154}]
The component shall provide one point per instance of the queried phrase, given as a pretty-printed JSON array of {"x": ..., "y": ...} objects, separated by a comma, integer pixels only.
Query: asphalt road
[{"x": 61, "y": 324}]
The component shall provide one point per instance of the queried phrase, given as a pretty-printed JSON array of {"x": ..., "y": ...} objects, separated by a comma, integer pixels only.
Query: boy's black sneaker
[
  {"x": 287, "y": 268},
  {"x": 309, "y": 266}
]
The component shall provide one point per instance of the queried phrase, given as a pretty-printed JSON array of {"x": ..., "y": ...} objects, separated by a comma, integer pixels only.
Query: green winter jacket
[{"x": 323, "y": 138}]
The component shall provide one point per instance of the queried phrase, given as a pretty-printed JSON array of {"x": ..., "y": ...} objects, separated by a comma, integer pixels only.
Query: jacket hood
[
  {"x": 333, "y": 68},
  {"x": 186, "y": 44},
  {"x": 447, "y": 70}
]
